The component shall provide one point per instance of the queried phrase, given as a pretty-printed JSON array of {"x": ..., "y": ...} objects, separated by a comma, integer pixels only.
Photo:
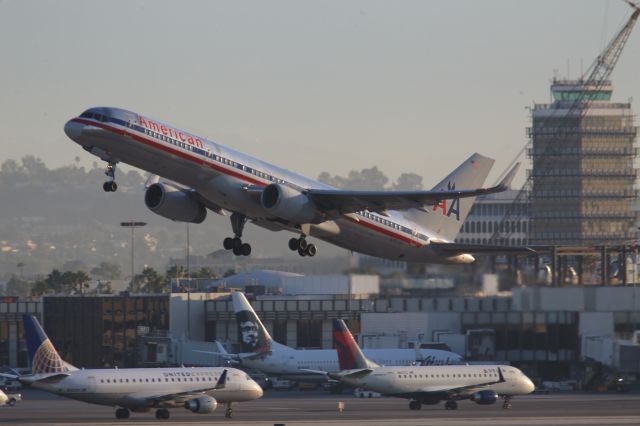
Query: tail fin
[
  {"x": 350, "y": 357},
  {"x": 254, "y": 337},
  {"x": 43, "y": 356},
  {"x": 446, "y": 218}
]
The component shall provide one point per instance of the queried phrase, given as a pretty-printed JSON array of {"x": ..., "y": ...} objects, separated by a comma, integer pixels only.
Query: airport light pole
[{"x": 132, "y": 225}]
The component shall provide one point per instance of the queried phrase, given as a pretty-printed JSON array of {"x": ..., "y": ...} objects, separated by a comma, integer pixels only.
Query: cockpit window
[{"x": 86, "y": 115}]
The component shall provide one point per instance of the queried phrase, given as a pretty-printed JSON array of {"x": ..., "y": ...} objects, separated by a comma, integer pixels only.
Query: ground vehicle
[
  {"x": 281, "y": 384},
  {"x": 363, "y": 393},
  {"x": 13, "y": 398}
]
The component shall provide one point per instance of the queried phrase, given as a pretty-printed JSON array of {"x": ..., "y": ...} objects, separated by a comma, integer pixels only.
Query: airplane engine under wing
[
  {"x": 289, "y": 204},
  {"x": 202, "y": 405},
  {"x": 485, "y": 397},
  {"x": 174, "y": 203}
]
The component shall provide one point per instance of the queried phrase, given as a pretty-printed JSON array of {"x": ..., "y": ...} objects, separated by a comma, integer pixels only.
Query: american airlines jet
[
  {"x": 482, "y": 384},
  {"x": 415, "y": 226},
  {"x": 134, "y": 389},
  {"x": 261, "y": 352}
]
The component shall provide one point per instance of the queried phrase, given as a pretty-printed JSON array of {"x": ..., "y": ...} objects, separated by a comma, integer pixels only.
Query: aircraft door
[{"x": 91, "y": 384}]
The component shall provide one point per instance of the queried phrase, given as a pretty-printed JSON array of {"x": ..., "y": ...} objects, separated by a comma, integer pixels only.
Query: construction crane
[{"x": 597, "y": 76}]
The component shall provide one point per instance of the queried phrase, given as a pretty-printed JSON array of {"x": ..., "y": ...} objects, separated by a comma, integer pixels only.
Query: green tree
[
  {"x": 408, "y": 182},
  {"x": 204, "y": 272},
  {"x": 108, "y": 271},
  {"x": 17, "y": 287},
  {"x": 149, "y": 281},
  {"x": 176, "y": 271}
]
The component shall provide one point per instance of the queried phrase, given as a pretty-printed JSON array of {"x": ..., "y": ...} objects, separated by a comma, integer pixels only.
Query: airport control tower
[{"x": 583, "y": 175}]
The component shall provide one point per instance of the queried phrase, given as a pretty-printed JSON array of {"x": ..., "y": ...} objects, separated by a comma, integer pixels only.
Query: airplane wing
[
  {"x": 147, "y": 398},
  {"x": 452, "y": 249},
  {"x": 353, "y": 201}
]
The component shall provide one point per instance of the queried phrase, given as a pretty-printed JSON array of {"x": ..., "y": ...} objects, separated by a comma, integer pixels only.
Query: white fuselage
[
  {"x": 293, "y": 364},
  {"x": 402, "y": 381},
  {"x": 222, "y": 175},
  {"x": 132, "y": 387},
  {"x": 3, "y": 398}
]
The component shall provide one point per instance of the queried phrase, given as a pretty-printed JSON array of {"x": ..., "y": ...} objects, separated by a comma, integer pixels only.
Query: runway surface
[{"x": 320, "y": 408}]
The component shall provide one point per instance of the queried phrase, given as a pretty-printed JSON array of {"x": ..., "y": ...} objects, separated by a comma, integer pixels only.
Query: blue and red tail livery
[
  {"x": 43, "y": 356},
  {"x": 344, "y": 346}
]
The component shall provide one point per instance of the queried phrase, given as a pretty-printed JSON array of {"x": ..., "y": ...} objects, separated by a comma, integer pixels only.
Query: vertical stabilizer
[
  {"x": 350, "y": 357},
  {"x": 445, "y": 219},
  {"x": 43, "y": 356},
  {"x": 254, "y": 337}
]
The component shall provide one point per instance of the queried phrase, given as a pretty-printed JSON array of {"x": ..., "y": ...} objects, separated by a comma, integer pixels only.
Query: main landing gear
[
  {"x": 228, "y": 413},
  {"x": 451, "y": 405},
  {"x": 122, "y": 413},
  {"x": 302, "y": 247},
  {"x": 415, "y": 405},
  {"x": 239, "y": 248},
  {"x": 110, "y": 185},
  {"x": 507, "y": 403},
  {"x": 162, "y": 414}
]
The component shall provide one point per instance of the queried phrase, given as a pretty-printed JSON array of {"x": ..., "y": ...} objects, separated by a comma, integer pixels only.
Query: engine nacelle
[
  {"x": 484, "y": 397},
  {"x": 289, "y": 204},
  {"x": 202, "y": 405},
  {"x": 174, "y": 203}
]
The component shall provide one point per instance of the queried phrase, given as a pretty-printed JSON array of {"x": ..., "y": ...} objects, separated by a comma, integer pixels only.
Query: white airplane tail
[{"x": 445, "y": 219}]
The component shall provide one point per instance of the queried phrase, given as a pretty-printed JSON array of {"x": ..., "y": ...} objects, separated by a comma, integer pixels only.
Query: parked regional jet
[
  {"x": 134, "y": 389},
  {"x": 261, "y": 352},
  {"x": 415, "y": 226},
  {"x": 483, "y": 384}
]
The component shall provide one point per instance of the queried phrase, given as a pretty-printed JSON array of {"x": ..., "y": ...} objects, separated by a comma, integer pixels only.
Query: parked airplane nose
[
  {"x": 73, "y": 130},
  {"x": 529, "y": 386},
  {"x": 256, "y": 390}
]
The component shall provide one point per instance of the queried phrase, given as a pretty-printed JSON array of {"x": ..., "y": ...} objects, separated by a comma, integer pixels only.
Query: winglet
[
  {"x": 222, "y": 381},
  {"x": 505, "y": 183}
]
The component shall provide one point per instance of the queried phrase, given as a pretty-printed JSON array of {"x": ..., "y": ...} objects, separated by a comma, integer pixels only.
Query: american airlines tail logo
[
  {"x": 47, "y": 360},
  {"x": 454, "y": 208}
]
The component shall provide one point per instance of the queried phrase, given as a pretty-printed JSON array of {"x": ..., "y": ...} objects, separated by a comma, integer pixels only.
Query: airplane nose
[
  {"x": 530, "y": 387},
  {"x": 73, "y": 130},
  {"x": 257, "y": 390}
]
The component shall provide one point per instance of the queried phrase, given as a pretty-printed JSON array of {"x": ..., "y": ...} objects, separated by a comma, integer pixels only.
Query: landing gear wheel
[
  {"x": 122, "y": 413},
  {"x": 162, "y": 414},
  {"x": 302, "y": 252},
  {"x": 294, "y": 243},
  {"x": 245, "y": 249},
  {"x": 110, "y": 186},
  {"x": 236, "y": 244},
  {"x": 451, "y": 405},
  {"x": 506, "y": 405},
  {"x": 228, "y": 243},
  {"x": 228, "y": 413},
  {"x": 415, "y": 405},
  {"x": 302, "y": 244},
  {"x": 311, "y": 250}
]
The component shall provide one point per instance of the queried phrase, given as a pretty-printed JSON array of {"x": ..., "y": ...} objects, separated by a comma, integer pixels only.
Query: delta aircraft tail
[{"x": 350, "y": 357}]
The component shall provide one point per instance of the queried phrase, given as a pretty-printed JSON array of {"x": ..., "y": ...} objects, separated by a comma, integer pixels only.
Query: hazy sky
[{"x": 311, "y": 86}]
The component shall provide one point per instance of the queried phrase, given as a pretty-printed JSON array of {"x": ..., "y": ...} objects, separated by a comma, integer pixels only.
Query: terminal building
[{"x": 549, "y": 332}]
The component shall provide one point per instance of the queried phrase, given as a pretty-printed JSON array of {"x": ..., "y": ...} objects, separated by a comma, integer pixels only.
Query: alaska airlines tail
[
  {"x": 446, "y": 218},
  {"x": 254, "y": 337},
  {"x": 350, "y": 357},
  {"x": 42, "y": 355}
]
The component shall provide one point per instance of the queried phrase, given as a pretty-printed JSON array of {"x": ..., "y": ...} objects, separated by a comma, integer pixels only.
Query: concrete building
[{"x": 583, "y": 175}]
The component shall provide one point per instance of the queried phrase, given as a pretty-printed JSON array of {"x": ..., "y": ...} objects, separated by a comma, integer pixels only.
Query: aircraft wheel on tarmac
[
  {"x": 415, "y": 405},
  {"x": 451, "y": 405},
  {"x": 122, "y": 413},
  {"x": 162, "y": 414}
]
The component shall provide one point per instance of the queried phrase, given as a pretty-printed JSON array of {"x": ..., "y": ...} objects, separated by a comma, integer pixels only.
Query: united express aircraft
[
  {"x": 415, "y": 226},
  {"x": 134, "y": 389}
]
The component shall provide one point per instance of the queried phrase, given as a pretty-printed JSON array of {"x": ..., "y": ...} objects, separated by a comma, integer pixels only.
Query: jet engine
[
  {"x": 289, "y": 204},
  {"x": 202, "y": 405},
  {"x": 484, "y": 397},
  {"x": 174, "y": 203}
]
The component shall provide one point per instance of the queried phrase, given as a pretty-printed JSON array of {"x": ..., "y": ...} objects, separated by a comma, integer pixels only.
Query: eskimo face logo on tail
[
  {"x": 47, "y": 360},
  {"x": 252, "y": 336},
  {"x": 454, "y": 207}
]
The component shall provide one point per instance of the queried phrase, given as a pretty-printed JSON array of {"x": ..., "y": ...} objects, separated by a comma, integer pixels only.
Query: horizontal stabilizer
[{"x": 453, "y": 249}]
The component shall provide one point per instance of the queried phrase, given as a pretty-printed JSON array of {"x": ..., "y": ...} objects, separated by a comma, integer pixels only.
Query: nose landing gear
[
  {"x": 235, "y": 244},
  {"x": 110, "y": 185}
]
